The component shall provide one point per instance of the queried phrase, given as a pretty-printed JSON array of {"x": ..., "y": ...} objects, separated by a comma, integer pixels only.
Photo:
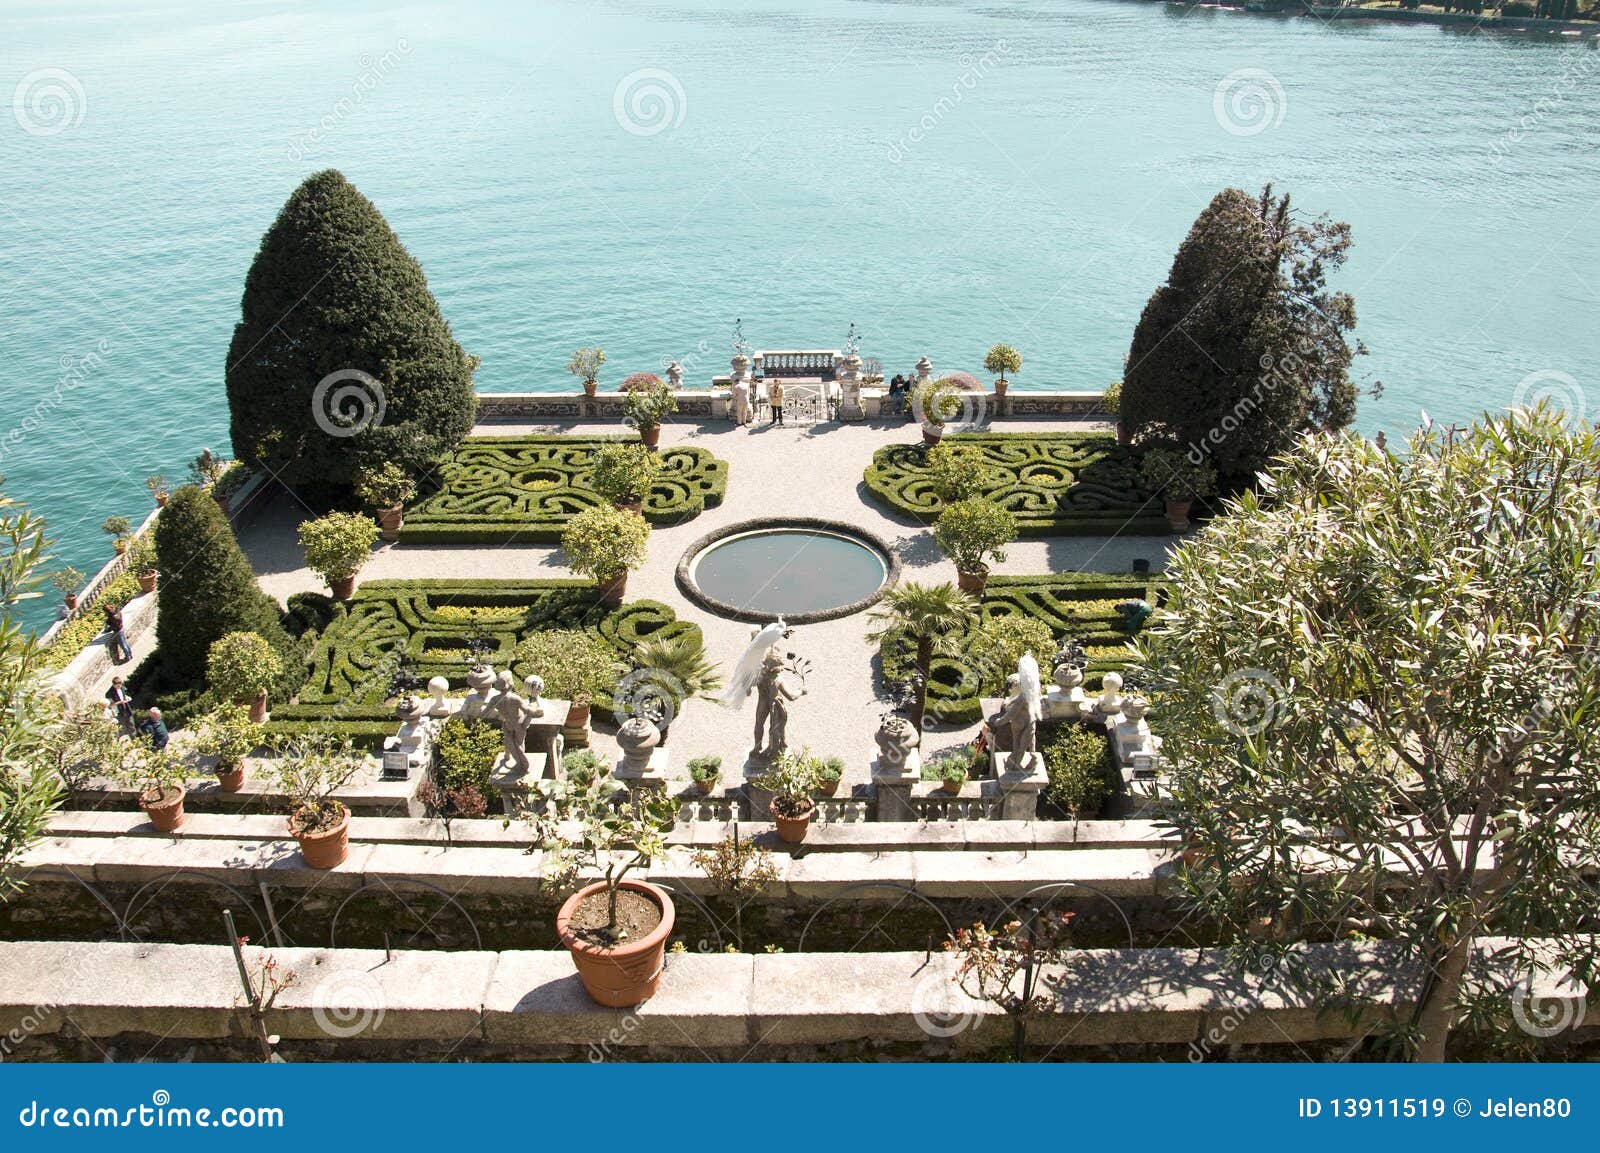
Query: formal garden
[{"x": 1107, "y": 727}]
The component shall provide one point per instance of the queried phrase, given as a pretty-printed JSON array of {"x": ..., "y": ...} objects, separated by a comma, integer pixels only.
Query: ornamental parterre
[
  {"x": 1055, "y": 484},
  {"x": 497, "y": 490}
]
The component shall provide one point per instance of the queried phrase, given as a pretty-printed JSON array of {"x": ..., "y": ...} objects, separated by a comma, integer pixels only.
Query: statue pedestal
[
  {"x": 512, "y": 783},
  {"x": 1019, "y": 788},
  {"x": 849, "y": 377},
  {"x": 410, "y": 749},
  {"x": 1065, "y": 705},
  {"x": 652, "y": 774},
  {"x": 892, "y": 782}
]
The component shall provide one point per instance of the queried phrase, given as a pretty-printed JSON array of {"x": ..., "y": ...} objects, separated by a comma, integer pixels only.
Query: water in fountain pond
[{"x": 789, "y": 571}]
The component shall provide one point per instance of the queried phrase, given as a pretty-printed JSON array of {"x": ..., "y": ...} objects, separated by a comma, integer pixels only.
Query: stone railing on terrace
[{"x": 713, "y": 404}]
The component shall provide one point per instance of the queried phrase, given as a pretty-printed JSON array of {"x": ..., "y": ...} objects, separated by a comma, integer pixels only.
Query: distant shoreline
[{"x": 1582, "y": 29}]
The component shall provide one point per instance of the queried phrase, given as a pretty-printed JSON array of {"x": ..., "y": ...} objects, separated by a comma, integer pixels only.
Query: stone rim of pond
[{"x": 687, "y": 585}]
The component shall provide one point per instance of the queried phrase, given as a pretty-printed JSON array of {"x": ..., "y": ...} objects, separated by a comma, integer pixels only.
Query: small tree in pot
[
  {"x": 119, "y": 530},
  {"x": 336, "y": 546},
  {"x": 142, "y": 563},
  {"x": 935, "y": 404},
  {"x": 159, "y": 492},
  {"x": 585, "y": 364},
  {"x": 605, "y": 543},
  {"x": 577, "y": 666},
  {"x": 623, "y": 474},
  {"x": 160, "y": 776},
  {"x": 791, "y": 782},
  {"x": 311, "y": 769},
  {"x": 1179, "y": 479},
  {"x": 68, "y": 581},
  {"x": 970, "y": 532},
  {"x": 615, "y": 928},
  {"x": 1000, "y": 360},
  {"x": 386, "y": 489},
  {"x": 646, "y": 408},
  {"x": 229, "y": 734},
  {"x": 241, "y": 667},
  {"x": 958, "y": 471}
]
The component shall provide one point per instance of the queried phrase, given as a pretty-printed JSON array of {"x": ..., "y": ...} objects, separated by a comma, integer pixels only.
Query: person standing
[
  {"x": 775, "y": 402},
  {"x": 121, "y": 706},
  {"x": 741, "y": 401},
  {"x": 116, "y": 639},
  {"x": 156, "y": 730}
]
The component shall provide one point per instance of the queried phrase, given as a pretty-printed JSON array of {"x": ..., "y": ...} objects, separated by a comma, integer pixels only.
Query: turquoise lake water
[{"x": 945, "y": 175}]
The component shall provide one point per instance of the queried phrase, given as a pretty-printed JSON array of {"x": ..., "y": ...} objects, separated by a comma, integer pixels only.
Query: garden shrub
[
  {"x": 465, "y": 753},
  {"x": 496, "y": 490},
  {"x": 1078, "y": 763},
  {"x": 1059, "y": 483}
]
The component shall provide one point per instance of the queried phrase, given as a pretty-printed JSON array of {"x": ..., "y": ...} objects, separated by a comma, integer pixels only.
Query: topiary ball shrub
[
  {"x": 1078, "y": 763},
  {"x": 241, "y": 666},
  {"x": 641, "y": 382},
  {"x": 465, "y": 754}
]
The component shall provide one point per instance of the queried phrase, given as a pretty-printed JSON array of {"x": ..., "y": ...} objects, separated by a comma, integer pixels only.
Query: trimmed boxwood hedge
[
  {"x": 1079, "y": 606},
  {"x": 423, "y": 626},
  {"x": 1054, "y": 483},
  {"x": 496, "y": 490}
]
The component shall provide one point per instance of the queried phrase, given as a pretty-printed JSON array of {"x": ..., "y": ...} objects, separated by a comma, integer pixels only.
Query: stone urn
[
  {"x": 637, "y": 737},
  {"x": 410, "y": 709},
  {"x": 480, "y": 678},
  {"x": 897, "y": 738},
  {"x": 1068, "y": 676},
  {"x": 1134, "y": 708}
]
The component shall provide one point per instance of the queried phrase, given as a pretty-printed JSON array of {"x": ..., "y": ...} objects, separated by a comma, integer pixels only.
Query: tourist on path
[
  {"x": 122, "y": 706},
  {"x": 116, "y": 639},
  {"x": 775, "y": 402},
  {"x": 741, "y": 401},
  {"x": 156, "y": 730}
]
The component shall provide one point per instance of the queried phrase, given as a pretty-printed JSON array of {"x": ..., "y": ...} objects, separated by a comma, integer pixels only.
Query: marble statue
[
  {"x": 776, "y": 678},
  {"x": 748, "y": 670},
  {"x": 516, "y": 713},
  {"x": 1014, "y": 730}
]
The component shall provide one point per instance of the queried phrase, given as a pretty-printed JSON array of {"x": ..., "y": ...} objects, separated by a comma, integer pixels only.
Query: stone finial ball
[
  {"x": 534, "y": 683},
  {"x": 1112, "y": 682},
  {"x": 438, "y": 686}
]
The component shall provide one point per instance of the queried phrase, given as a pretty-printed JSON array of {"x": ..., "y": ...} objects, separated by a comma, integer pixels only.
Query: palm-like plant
[
  {"x": 931, "y": 615},
  {"x": 675, "y": 669}
]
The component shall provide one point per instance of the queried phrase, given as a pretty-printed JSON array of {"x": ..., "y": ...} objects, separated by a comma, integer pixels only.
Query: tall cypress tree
[
  {"x": 1243, "y": 348},
  {"x": 333, "y": 293},
  {"x": 207, "y": 588}
]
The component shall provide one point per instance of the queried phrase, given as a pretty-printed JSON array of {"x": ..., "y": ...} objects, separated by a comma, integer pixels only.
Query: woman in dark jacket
[{"x": 116, "y": 639}]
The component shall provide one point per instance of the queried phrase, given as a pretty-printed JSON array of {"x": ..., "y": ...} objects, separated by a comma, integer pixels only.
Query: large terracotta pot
[
  {"x": 390, "y": 520},
  {"x": 829, "y": 787},
  {"x": 167, "y": 813},
  {"x": 1178, "y": 514},
  {"x": 258, "y": 709},
  {"x": 932, "y": 434},
  {"x": 973, "y": 582},
  {"x": 952, "y": 786},
  {"x": 792, "y": 830},
  {"x": 613, "y": 589},
  {"x": 71, "y": 601},
  {"x": 326, "y": 849},
  {"x": 344, "y": 588},
  {"x": 650, "y": 437},
  {"x": 232, "y": 780},
  {"x": 1000, "y": 386},
  {"x": 147, "y": 582},
  {"x": 575, "y": 731},
  {"x": 619, "y": 976},
  {"x": 590, "y": 387}
]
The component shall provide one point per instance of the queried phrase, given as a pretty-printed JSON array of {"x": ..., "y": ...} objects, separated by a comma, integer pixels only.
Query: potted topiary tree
[
  {"x": 791, "y": 782},
  {"x": 957, "y": 471},
  {"x": 142, "y": 563},
  {"x": 604, "y": 543},
  {"x": 310, "y": 769},
  {"x": 935, "y": 404},
  {"x": 160, "y": 776},
  {"x": 1179, "y": 479},
  {"x": 157, "y": 484},
  {"x": 577, "y": 666},
  {"x": 229, "y": 734},
  {"x": 646, "y": 408},
  {"x": 241, "y": 667},
  {"x": 970, "y": 531},
  {"x": 119, "y": 530},
  {"x": 623, "y": 474},
  {"x": 336, "y": 546},
  {"x": 615, "y": 928},
  {"x": 705, "y": 772},
  {"x": 1000, "y": 360},
  {"x": 386, "y": 489},
  {"x": 68, "y": 581},
  {"x": 585, "y": 364}
]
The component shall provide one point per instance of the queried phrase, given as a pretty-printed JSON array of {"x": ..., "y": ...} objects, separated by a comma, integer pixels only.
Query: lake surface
[{"x": 944, "y": 175}]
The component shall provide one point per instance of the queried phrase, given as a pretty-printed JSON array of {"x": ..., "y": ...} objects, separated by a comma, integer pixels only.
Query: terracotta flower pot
[
  {"x": 390, "y": 520},
  {"x": 167, "y": 813},
  {"x": 1124, "y": 433},
  {"x": 326, "y": 849},
  {"x": 147, "y": 582},
  {"x": 1000, "y": 386},
  {"x": 619, "y": 976},
  {"x": 650, "y": 437},
  {"x": 973, "y": 582},
  {"x": 612, "y": 589},
  {"x": 590, "y": 387},
  {"x": 162, "y": 499},
  {"x": 71, "y": 601},
  {"x": 705, "y": 787},
  {"x": 344, "y": 588},
  {"x": 578, "y": 715},
  {"x": 1178, "y": 514},
  {"x": 932, "y": 434},
  {"x": 232, "y": 780},
  {"x": 792, "y": 830},
  {"x": 121, "y": 546},
  {"x": 952, "y": 786},
  {"x": 258, "y": 709},
  {"x": 829, "y": 787}
]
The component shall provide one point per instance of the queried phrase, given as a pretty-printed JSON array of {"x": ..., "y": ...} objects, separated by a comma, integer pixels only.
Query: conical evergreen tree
[
  {"x": 333, "y": 294},
  {"x": 1243, "y": 348},
  {"x": 207, "y": 588}
]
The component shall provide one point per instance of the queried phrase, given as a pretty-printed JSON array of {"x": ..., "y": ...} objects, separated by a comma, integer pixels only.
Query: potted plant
[
  {"x": 791, "y": 782},
  {"x": 950, "y": 770},
  {"x": 157, "y": 484},
  {"x": 667, "y": 672},
  {"x": 68, "y": 581},
  {"x": 623, "y": 474},
  {"x": 119, "y": 530},
  {"x": 207, "y": 468},
  {"x": 705, "y": 772},
  {"x": 604, "y": 543},
  {"x": 829, "y": 773},
  {"x": 142, "y": 562},
  {"x": 615, "y": 928},
  {"x": 1111, "y": 402},
  {"x": 386, "y": 489},
  {"x": 585, "y": 364},
  {"x": 160, "y": 776},
  {"x": 957, "y": 471},
  {"x": 934, "y": 404},
  {"x": 970, "y": 531},
  {"x": 229, "y": 734},
  {"x": 310, "y": 769},
  {"x": 1179, "y": 479},
  {"x": 1000, "y": 360},
  {"x": 241, "y": 667},
  {"x": 577, "y": 666},
  {"x": 336, "y": 546},
  {"x": 646, "y": 408},
  {"x": 641, "y": 380}
]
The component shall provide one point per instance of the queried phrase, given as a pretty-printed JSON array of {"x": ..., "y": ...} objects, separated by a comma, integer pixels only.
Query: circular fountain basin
[{"x": 796, "y": 568}]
